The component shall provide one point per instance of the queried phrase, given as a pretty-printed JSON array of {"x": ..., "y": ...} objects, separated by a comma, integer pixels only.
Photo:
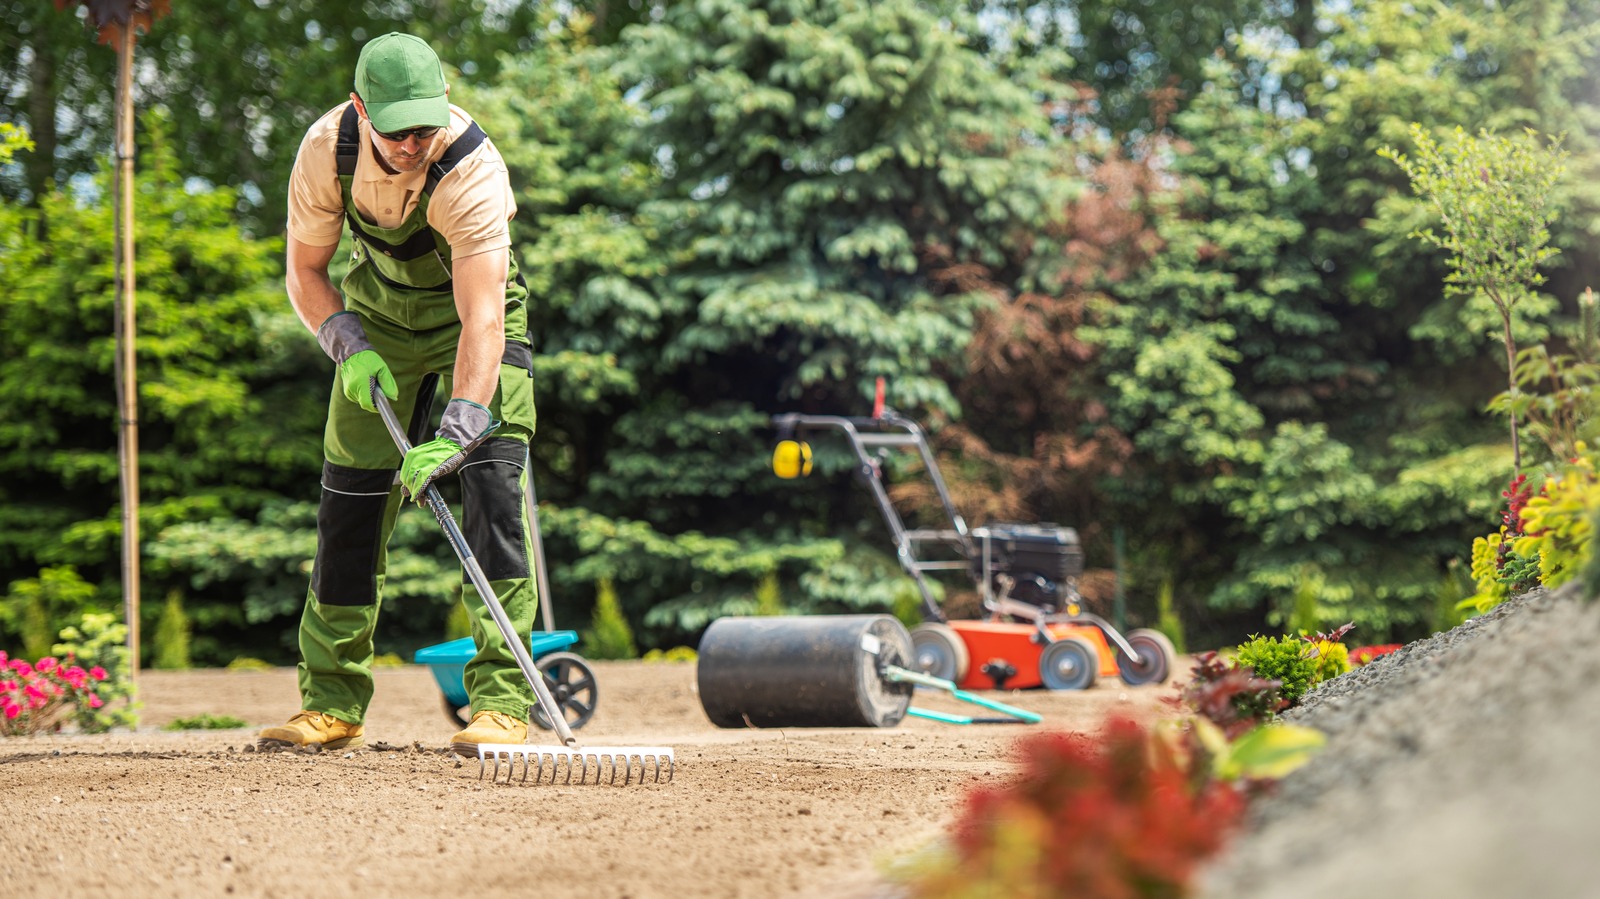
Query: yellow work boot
[
  {"x": 488, "y": 727},
  {"x": 311, "y": 729}
]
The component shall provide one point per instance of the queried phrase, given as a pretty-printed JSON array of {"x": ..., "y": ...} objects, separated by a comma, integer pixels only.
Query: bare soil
[{"x": 757, "y": 813}]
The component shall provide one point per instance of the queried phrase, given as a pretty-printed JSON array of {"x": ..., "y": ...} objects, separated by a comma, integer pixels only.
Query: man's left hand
[{"x": 465, "y": 424}]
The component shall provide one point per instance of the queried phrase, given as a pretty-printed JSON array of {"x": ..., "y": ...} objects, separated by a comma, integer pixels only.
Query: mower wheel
[
  {"x": 1071, "y": 663},
  {"x": 1156, "y": 658},
  {"x": 939, "y": 651},
  {"x": 572, "y": 686}
]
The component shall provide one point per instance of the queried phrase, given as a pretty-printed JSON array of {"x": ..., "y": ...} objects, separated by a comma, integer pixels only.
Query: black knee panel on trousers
[
  {"x": 491, "y": 508},
  {"x": 350, "y": 534}
]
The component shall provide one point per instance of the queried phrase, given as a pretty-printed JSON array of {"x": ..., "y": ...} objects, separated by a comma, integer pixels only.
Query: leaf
[{"x": 1269, "y": 752}]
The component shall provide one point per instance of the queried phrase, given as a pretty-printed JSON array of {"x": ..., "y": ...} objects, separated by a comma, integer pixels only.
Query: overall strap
[
  {"x": 457, "y": 151},
  {"x": 348, "y": 149}
]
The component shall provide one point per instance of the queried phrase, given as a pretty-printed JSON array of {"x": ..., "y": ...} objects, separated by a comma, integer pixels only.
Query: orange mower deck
[{"x": 1013, "y": 643}]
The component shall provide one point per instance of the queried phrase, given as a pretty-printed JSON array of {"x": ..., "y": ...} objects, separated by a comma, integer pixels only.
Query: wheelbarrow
[{"x": 569, "y": 677}]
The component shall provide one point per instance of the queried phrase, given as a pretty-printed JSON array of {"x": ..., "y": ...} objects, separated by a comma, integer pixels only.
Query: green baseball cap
[{"x": 400, "y": 80}]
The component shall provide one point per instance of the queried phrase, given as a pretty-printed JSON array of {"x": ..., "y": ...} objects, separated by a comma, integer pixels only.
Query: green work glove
[
  {"x": 345, "y": 342},
  {"x": 465, "y": 424}
]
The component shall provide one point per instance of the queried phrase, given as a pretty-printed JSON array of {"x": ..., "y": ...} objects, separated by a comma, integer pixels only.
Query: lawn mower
[{"x": 1034, "y": 630}]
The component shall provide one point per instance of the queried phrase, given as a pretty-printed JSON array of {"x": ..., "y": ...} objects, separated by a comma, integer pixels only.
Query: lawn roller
[
  {"x": 821, "y": 671},
  {"x": 1034, "y": 631},
  {"x": 534, "y": 758}
]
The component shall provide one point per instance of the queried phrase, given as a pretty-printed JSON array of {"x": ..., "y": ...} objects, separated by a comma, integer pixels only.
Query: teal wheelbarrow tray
[{"x": 569, "y": 677}]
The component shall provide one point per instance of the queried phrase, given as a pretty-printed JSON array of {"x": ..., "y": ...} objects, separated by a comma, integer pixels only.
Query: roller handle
[{"x": 458, "y": 542}]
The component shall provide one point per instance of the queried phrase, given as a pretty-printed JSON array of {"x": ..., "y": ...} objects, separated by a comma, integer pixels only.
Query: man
[{"x": 432, "y": 292}]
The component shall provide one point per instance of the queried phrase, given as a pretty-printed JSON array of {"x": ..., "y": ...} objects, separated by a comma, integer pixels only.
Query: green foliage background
[{"x": 1138, "y": 271}]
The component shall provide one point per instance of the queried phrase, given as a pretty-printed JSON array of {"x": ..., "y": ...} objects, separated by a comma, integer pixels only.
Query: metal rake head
[{"x": 545, "y": 763}]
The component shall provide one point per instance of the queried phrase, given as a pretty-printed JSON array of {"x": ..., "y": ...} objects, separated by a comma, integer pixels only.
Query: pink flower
[
  {"x": 3, "y": 657},
  {"x": 95, "y": 702},
  {"x": 23, "y": 669},
  {"x": 9, "y": 686},
  {"x": 47, "y": 664},
  {"x": 33, "y": 692},
  {"x": 97, "y": 673},
  {"x": 12, "y": 711}
]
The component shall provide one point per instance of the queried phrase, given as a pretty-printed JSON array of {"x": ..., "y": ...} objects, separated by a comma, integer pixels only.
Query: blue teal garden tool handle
[
  {"x": 458, "y": 542},
  {"x": 902, "y": 675},
  {"x": 948, "y": 718}
]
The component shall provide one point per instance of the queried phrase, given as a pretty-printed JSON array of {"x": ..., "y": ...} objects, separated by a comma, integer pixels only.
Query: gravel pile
[{"x": 1465, "y": 765}]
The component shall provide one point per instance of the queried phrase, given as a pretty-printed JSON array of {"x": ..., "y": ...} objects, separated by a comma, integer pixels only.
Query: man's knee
[
  {"x": 350, "y": 533},
  {"x": 493, "y": 519}
]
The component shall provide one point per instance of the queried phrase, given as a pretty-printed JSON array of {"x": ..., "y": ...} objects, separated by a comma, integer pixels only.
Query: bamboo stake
[{"x": 126, "y": 364}]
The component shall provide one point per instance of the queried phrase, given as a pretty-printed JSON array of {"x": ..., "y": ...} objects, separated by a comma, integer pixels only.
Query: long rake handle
[{"x": 458, "y": 542}]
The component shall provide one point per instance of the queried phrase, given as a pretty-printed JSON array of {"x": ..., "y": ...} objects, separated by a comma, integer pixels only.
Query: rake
[{"x": 569, "y": 755}]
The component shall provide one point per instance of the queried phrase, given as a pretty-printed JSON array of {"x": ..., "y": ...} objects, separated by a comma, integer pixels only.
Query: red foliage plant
[
  {"x": 1230, "y": 697},
  {"x": 1361, "y": 655},
  {"x": 1114, "y": 818}
]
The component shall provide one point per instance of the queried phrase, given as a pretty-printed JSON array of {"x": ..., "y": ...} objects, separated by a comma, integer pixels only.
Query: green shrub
[
  {"x": 610, "y": 637},
  {"x": 675, "y": 654},
  {"x": 1288, "y": 660},
  {"x": 170, "y": 643},
  {"x": 459, "y": 623},
  {"x": 387, "y": 660},
  {"x": 1167, "y": 620},
  {"x": 35, "y": 605},
  {"x": 100, "y": 640},
  {"x": 206, "y": 721},
  {"x": 246, "y": 663},
  {"x": 769, "y": 599}
]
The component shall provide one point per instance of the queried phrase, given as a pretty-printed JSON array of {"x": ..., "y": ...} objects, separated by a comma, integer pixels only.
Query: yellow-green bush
[{"x": 1556, "y": 524}]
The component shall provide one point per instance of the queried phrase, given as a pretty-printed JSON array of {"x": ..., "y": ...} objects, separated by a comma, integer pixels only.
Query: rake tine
[{"x": 649, "y": 760}]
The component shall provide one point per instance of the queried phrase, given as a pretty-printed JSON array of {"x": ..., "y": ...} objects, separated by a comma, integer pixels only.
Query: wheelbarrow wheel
[
  {"x": 572, "y": 686},
  {"x": 939, "y": 651},
  {"x": 1071, "y": 663},
  {"x": 1156, "y": 658}
]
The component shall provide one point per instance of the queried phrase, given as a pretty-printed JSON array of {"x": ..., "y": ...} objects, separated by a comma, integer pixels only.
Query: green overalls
[{"x": 399, "y": 285}]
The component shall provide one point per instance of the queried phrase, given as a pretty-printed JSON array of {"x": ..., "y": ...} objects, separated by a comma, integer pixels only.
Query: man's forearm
[
  {"x": 477, "y": 373},
  {"x": 480, "y": 285},
  {"x": 311, "y": 291}
]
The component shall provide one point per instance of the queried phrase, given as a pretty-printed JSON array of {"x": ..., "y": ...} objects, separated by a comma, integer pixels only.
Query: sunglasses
[{"x": 422, "y": 133}]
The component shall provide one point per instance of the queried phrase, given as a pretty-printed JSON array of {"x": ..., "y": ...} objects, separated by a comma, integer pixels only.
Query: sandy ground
[{"x": 757, "y": 813}]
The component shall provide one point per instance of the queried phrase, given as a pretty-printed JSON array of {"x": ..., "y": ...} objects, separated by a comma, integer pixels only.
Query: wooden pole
[{"x": 126, "y": 365}]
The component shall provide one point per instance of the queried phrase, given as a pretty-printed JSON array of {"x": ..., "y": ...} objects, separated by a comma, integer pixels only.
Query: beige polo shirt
[{"x": 470, "y": 207}]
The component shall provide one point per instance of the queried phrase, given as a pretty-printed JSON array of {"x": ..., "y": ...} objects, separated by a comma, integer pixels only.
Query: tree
[
  {"x": 240, "y": 81},
  {"x": 1491, "y": 194},
  {"x": 210, "y": 375}
]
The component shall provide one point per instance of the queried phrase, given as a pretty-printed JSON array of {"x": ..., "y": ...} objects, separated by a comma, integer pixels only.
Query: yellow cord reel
[{"x": 791, "y": 459}]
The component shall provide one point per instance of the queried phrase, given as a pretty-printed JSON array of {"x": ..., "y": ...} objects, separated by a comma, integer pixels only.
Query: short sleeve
[
  {"x": 316, "y": 202},
  {"x": 473, "y": 206}
]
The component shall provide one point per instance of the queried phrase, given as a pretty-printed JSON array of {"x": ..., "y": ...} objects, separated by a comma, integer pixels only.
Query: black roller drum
[{"x": 814, "y": 671}]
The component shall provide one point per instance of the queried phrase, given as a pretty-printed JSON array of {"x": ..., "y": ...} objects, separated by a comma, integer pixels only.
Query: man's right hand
[
  {"x": 345, "y": 342},
  {"x": 356, "y": 374}
]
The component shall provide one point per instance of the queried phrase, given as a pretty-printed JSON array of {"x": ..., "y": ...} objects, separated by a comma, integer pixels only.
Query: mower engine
[{"x": 1033, "y": 563}]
